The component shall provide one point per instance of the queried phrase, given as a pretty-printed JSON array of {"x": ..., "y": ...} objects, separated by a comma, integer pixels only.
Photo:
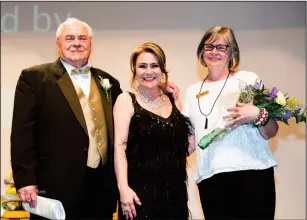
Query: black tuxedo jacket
[{"x": 49, "y": 141}]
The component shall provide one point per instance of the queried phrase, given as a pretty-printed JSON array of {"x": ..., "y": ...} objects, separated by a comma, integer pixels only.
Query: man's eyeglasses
[{"x": 219, "y": 47}]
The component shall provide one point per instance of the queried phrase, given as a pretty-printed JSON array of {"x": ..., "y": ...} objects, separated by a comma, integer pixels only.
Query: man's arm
[{"x": 23, "y": 151}]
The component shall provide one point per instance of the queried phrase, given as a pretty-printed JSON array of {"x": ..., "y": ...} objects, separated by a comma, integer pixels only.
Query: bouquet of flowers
[{"x": 278, "y": 106}]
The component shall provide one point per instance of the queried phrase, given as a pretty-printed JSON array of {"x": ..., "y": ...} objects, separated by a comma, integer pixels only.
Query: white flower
[
  {"x": 280, "y": 99},
  {"x": 106, "y": 84}
]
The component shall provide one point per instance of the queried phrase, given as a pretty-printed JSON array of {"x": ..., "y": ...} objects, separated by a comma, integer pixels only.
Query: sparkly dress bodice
[{"x": 156, "y": 152}]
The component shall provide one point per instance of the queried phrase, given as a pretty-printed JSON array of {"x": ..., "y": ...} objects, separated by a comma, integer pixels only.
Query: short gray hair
[
  {"x": 71, "y": 21},
  {"x": 229, "y": 36}
]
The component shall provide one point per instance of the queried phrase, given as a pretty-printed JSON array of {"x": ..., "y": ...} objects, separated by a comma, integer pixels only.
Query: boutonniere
[{"x": 105, "y": 85}]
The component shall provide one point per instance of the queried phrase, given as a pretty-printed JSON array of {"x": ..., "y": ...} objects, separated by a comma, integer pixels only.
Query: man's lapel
[
  {"x": 68, "y": 89},
  {"x": 106, "y": 101}
]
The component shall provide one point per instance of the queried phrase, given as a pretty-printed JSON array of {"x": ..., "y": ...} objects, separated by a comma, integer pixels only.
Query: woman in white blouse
[{"x": 235, "y": 175}]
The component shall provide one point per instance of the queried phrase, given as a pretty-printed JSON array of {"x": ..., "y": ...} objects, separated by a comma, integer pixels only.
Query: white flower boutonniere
[{"x": 105, "y": 85}]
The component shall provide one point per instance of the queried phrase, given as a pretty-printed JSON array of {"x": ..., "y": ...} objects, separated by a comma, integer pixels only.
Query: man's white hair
[{"x": 71, "y": 21}]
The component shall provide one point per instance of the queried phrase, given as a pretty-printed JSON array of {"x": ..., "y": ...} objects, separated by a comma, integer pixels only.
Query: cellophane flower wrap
[{"x": 280, "y": 107}]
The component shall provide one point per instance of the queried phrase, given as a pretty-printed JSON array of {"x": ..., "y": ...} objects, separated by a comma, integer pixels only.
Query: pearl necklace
[{"x": 146, "y": 99}]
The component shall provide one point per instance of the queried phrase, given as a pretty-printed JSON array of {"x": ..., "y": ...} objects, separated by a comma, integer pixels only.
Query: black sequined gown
[{"x": 156, "y": 153}]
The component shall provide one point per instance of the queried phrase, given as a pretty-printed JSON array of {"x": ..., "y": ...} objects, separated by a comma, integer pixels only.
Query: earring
[{"x": 162, "y": 79}]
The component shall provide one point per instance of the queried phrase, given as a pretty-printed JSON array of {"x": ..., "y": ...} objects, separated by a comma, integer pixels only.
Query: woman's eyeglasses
[{"x": 219, "y": 47}]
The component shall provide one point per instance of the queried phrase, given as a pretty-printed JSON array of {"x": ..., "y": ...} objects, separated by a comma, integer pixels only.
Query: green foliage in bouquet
[{"x": 280, "y": 106}]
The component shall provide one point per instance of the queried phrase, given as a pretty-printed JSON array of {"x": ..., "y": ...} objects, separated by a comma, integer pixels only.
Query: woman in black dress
[{"x": 152, "y": 141}]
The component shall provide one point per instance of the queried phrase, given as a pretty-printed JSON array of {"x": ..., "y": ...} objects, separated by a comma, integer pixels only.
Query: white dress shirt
[{"x": 83, "y": 80}]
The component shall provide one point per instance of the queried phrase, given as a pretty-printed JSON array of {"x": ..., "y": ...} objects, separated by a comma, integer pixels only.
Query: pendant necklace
[{"x": 206, "y": 115}]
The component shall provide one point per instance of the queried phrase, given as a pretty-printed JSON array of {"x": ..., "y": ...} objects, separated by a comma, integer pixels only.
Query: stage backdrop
[{"x": 271, "y": 37}]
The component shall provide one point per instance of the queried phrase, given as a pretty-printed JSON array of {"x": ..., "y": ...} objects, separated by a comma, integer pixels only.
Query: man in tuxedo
[{"x": 62, "y": 129}]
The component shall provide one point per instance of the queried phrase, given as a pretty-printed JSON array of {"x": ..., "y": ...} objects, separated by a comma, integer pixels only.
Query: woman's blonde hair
[
  {"x": 152, "y": 48},
  {"x": 228, "y": 35}
]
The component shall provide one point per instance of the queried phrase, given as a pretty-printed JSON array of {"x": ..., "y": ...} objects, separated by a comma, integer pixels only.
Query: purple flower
[
  {"x": 287, "y": 115},
  {"x": 298, "y": 108},
  {"x": 258, "y": 84},
  {"x": 284, "y": 116},
  {"x": 272, "y": 93}
]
